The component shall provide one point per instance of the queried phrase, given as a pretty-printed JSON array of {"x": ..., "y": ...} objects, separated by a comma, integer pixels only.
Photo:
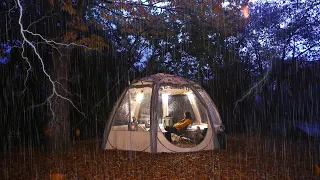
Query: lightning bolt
[
  {"x": 261, "y": 82},
  {"x": 44, "y": 17},
  {"x": 8, "y": 24},
  {"x": 54, "y": 45},
  {"x": 29, "y": 65}
]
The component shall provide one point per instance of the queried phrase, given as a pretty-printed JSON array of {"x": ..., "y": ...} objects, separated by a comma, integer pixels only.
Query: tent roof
[{"x": 163, "y": 79}]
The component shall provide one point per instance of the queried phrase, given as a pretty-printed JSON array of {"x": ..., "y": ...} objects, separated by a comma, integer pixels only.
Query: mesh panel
[
  {"x": 176, "y": 100},
  {"x": 121, "y": 116},
  {"x": 178, "y": 104},
  {"x": 144, "y": 110},
  {"x": 211, "y": 107},
  {"x": 135, "y": 106},
  {"x": 202, "y": 111},
  {"x": 181, "y": 99}
]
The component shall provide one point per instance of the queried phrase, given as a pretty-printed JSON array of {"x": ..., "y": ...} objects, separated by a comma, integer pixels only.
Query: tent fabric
[
  {"x": 165, "y": 79},
  {"x": 154, "y": 140},
  {"x": 142, "y": 139},
  {"x": 211, "y": 115},
  {"x": 212, "y": 110},
  {"x": 110, "y": 119}
]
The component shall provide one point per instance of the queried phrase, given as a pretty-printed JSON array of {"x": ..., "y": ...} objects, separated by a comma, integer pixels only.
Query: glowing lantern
[
  {"x": 245, "y": 11},
  {"x": 139, "y": 97},
  {"x": 165, "y": 97},
  {"x": 133, "y": 125},
  {"x": 165, "y": 101}
]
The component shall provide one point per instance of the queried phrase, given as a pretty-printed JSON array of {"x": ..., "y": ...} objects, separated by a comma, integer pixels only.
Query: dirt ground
[{"x": 246, "y": 157}]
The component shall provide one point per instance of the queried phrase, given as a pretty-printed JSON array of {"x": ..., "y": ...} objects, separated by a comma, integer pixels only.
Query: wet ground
[{"x": 246, "y": 157}]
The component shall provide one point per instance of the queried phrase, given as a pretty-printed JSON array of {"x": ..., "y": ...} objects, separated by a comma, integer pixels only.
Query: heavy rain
[{"x": 159, "y": 89}]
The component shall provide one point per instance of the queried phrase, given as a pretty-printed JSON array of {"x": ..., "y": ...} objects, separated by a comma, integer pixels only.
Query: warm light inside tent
[
  {"x": 139, "y": 97},
  {"x": 190, "y": 96},
  {"x": 165, "y": 104},
  {"x": 194, "y": 106},
  {"x": 131, "y": 114},
  {"x": 165, "y": 97}
]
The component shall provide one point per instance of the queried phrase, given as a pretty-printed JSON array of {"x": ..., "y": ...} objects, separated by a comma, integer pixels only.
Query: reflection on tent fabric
[{"x": 137, "y": 119}]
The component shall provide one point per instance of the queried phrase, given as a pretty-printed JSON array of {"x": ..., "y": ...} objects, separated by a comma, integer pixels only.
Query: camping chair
[{"x": 182, "y": 132}]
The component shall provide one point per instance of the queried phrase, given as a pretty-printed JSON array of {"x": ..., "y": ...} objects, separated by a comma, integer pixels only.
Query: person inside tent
[{"x": 179, "y": 127}]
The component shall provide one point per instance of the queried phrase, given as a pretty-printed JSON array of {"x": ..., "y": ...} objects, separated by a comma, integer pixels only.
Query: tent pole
[{"x": 153, "y": 117}]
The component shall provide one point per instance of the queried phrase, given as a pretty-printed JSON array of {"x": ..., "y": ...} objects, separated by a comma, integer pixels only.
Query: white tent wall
[
  {"x": 154, "y": 140},
  {"x": 129, "y": 140},
  {"x": 140, "y": 141}
]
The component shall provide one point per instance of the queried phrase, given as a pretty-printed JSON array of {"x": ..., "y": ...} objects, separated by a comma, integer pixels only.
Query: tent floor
[{"x": 182, "y": 142}]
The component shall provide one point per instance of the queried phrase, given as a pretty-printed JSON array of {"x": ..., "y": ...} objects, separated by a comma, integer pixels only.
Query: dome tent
[{"x": 148, "y": 101}]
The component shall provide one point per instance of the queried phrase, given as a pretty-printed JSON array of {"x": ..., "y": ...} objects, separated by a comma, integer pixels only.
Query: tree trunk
[
  {"x": 277, "y": 96},
  {"x": 150, "y": 66},
  {"x": 59, "y": 137}
]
